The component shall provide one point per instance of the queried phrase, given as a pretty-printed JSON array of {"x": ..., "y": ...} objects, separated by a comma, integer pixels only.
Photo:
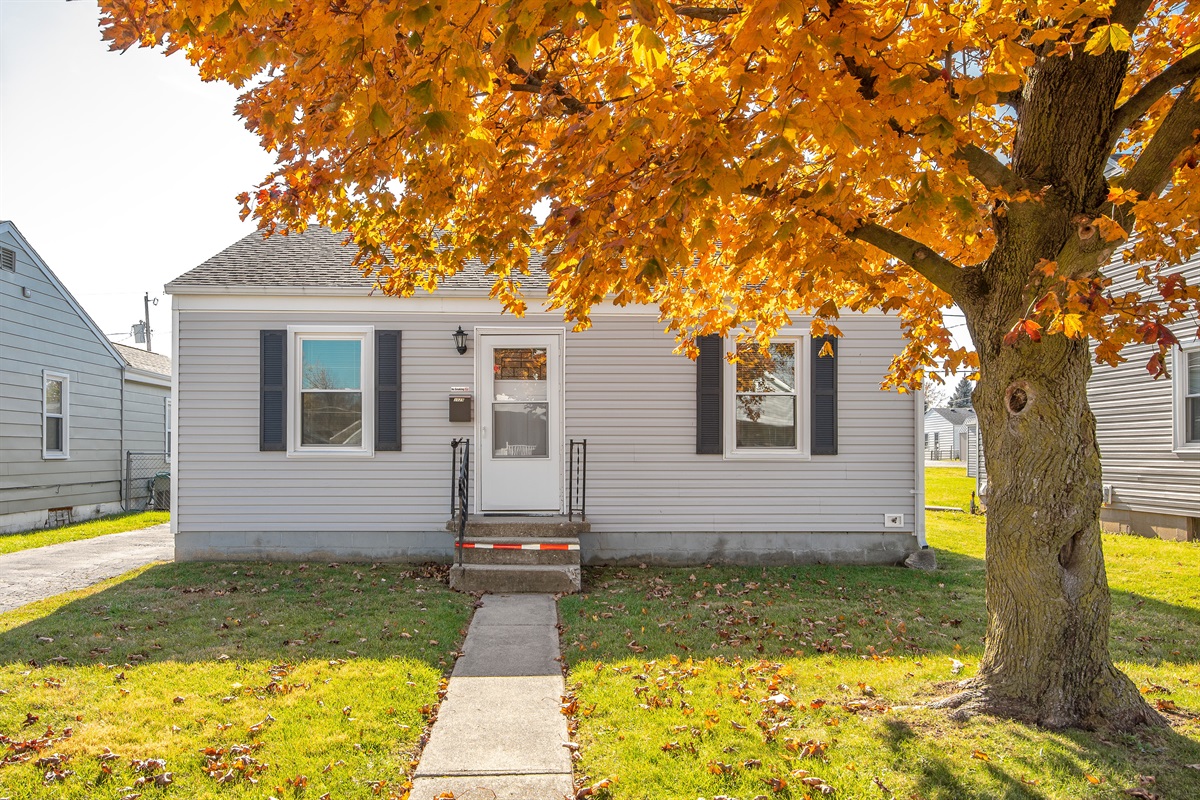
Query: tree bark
[{"x": 1048, "y": 605}]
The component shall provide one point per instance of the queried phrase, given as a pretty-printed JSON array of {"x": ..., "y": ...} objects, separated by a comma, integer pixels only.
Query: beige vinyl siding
[
  {"x": 1134, "y": 424},
  {"x": 44, "y": 332},
  {"x": 625, "y": 392}
]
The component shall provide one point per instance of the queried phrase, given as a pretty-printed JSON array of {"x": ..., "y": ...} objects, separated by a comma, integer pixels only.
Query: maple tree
[{"x": 739, "y": 163}]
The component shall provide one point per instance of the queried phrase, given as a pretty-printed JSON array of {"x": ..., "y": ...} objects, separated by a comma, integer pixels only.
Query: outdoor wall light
[
  {"x": 25, "y": 292},
  {"x": 460, "y": 340}
]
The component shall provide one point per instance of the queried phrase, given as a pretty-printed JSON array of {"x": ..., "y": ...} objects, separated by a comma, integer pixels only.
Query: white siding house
[
  {"x": 313, "y": 420},
  {"x": 65, "y": 399},
  {"x": 1149, "y": 432},
  {"x": 945, "y": 433}
]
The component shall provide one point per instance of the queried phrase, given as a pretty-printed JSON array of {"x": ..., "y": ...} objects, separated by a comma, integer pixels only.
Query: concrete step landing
[
  {"x": 516, "y": 578},
  {"x": 515, "y": 525}
]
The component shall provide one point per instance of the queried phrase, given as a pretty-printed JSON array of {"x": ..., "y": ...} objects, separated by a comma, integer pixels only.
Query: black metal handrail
[
  {"x": 577, "y": 479},
  {"x": 460, "y": 477}
]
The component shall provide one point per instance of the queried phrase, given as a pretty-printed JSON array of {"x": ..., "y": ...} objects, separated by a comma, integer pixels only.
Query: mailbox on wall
[{"x": 461, "y": 404}]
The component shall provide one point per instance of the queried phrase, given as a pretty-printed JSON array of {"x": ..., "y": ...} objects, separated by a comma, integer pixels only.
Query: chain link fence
[{"x": 147, "y": 481}]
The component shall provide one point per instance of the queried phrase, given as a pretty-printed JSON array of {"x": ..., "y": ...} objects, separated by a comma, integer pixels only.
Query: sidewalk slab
[
  {"x": 496, "y": 787},
  {"x": 500, "y": 732},
  {"x": 499, "y": 726}
]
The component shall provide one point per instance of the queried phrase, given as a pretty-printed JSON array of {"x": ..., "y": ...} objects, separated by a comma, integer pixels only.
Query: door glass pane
[
  {"x": 53, "y": 397},
  {"x": 765, "y": 420},
  {"x": 519, "y": 373},
  {"x": 54, "y": 434},
  {"x": 331, "y": 418},
  {"x": 332, "y": 364},
  {"x": 773, "y": 371},
  {"x": 522, "y": 430}
]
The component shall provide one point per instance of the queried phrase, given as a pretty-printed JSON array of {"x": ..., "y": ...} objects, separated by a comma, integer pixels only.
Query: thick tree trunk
[{"x": 1046, "y": 659}]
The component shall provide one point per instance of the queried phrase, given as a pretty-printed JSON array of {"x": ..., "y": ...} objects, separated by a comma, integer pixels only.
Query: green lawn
[
  {"x": 12, "y": 542},
  {"x": 746, "y": 682},
  {"x": 319, "y": 676},
  {"x": 948, "y": 486}
]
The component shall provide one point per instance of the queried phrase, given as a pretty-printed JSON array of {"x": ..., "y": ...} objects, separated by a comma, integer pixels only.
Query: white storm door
[{"x": 520, "y": 424}]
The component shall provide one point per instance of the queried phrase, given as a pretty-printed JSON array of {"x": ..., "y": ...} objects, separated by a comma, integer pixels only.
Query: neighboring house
[
  {"x": 315, "y": 419},
  {"x": 146, "y": 428},
  {"x": 976, "y": 467},
  {"x": 67, "y": 399},
  {"x": 946, "y": 433},
  {"x": 1149, "y": 431}
]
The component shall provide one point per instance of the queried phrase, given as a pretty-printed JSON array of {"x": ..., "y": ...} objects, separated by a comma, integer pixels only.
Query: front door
[{"x": 520, "y": 424}]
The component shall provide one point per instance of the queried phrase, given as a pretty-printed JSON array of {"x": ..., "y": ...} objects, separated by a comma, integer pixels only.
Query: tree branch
[
  {"x": 939, "y": 271},
  {"x": 709, "y": 14},
  {"x": 1176, "y": 133},
  {"x": 1129, "y": 112},
  {"x": 1129, "y": 13},
  {"x": 987, "y": 169}
]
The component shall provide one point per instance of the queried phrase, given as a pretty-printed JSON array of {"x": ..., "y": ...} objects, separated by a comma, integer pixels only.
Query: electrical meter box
[{"x": 462, "y": 403}]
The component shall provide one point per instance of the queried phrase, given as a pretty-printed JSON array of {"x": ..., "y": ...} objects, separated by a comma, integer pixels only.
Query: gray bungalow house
[
  {"x": 1149, "y": 432},
  {"x": 946, "y": 433},
  {"x": 315, "y": 419},
  {"x": 72, "y": 403}
]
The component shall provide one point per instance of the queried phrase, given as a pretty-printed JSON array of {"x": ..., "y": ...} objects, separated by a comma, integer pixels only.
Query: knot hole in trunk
[
  {"x": 1067, "y": 553},
  {"x": 1017, "y": 397}
]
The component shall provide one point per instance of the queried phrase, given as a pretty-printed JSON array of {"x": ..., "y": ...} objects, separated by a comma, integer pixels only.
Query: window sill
[
  {"x": 766, "y": 455},
  {"x": 56, "y": 456},
  {"x": 330, "y": 454},
  {"x": 1188, "y": 451}
]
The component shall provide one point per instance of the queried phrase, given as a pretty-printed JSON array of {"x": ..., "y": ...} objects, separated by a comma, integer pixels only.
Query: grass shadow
[{"x": 190, "y": 612}]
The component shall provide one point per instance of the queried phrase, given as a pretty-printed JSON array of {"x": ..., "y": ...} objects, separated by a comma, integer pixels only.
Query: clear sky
[{"x": 120, "y": 169}]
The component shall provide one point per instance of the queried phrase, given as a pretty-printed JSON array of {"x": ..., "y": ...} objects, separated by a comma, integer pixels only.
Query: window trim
[
  {"x": 65, "y": 416},
  {"x": 365, "y": 335},
  {"x": 1179, "y": 402},
  {"x": 802, "y": 451}
]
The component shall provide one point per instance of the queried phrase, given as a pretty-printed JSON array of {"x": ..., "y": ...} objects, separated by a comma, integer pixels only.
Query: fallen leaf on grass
[
  {"x": 1092, "y": 779},
  {"x": 1141, "y": 794},
  {"x": 982, "y": 756}
]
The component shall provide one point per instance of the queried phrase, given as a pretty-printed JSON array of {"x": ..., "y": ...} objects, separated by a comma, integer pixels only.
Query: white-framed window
[
  {"x": 56, "y": 416},
  {"x": 331, "y": 391},
  {"x": 766, "y": 400},
  {"x": 1187, "y": 399},
  {"x": 167, "y": 425}
]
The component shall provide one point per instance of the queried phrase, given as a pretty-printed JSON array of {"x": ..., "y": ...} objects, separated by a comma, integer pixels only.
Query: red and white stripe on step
[{"x": 514, "y": 546}]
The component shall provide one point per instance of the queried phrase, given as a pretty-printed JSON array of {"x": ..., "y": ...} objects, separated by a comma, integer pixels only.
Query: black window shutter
[
  {"x": 272, "y": 405},
  {"x": 710, "y": 371},
  {"x": 824, "y": 398},
  {"x": 387, "y": 390}
]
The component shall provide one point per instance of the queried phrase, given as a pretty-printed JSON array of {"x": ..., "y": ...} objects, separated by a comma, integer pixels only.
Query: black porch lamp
[{"x": 460, "y": 341}]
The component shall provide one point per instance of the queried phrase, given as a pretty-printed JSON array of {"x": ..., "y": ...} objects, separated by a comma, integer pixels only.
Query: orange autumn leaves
[{"x": 708, "y": 159}]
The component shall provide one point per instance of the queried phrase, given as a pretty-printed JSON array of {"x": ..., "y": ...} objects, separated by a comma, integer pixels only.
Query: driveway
[{"x": 30, "y": 575}]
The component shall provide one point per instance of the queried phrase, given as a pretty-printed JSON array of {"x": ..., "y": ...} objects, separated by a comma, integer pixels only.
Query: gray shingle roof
[
  {"x": 955, "y": 416},
  {"x": 140, "y": 359},
  {"x": 317, "y": 258}
]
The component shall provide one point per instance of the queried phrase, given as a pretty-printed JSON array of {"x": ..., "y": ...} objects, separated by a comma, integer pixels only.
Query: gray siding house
[
  {"x": 1149, "y": 432},
  {"x": 315, "y": 418},
  {"x": 67, "y": 399},
  {"x": 946, "y": 433}
]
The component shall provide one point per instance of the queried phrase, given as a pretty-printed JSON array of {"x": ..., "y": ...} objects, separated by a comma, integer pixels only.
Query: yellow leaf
[
  {"x": 1092, "y": 779},
  {"x": 1106, "y": 36},
  {"x": 1073, "y": 325}
]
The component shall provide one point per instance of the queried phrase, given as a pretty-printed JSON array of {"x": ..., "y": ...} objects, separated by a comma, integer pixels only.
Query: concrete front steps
[{"x": 517, "y": 555}]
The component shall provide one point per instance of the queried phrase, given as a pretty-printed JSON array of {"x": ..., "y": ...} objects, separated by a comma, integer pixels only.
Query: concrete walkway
[
  {"x": 500, "y": 733},
  {"x": 30, "y": 575}
]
